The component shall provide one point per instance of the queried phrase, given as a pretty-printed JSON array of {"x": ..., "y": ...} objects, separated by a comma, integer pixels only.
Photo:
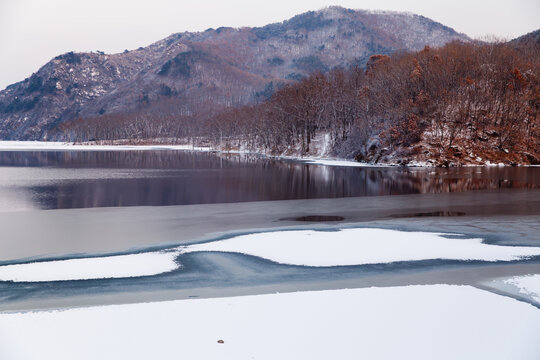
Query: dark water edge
[
  {"x": 215, "y": 274},
  {"x": 83, "y": 179}
]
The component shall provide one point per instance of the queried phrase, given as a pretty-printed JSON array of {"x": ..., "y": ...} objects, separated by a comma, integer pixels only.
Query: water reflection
[{"x": 130, "y": 178}]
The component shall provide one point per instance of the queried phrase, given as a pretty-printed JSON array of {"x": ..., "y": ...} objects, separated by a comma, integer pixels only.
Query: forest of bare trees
[{"x": 461, "y": 103}]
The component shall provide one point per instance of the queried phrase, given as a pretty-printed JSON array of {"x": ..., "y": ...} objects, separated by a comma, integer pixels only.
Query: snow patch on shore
[
  {"x": 338, "y": 162},
  {"x": 413, "y": 322},
  {"x": 120, "y": 266},
  {"x": 62, "y": 146},
  {"x": 361, "y": 246}
]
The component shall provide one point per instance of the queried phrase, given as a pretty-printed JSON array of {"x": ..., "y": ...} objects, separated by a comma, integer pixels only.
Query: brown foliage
[{"x": 466, "y": 99}]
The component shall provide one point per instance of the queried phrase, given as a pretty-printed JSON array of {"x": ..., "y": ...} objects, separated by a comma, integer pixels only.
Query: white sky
[{"x": 34, "y": 31}]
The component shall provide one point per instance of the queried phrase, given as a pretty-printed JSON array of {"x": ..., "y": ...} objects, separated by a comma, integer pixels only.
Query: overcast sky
[{"x": 34, "y": 31}]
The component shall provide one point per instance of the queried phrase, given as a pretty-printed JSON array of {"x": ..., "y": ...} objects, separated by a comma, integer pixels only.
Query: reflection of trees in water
[
  {"x": 162, "y": 159},
  {"x": 172, "y": 178},
  {"x": 476, "y": 178}
]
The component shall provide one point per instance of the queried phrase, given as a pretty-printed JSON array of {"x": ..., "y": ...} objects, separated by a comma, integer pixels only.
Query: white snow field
[
  {"x": 413, "y": 322},
  {"x": 360, "y": 246},
  {"x": 528, "y": 285},
  {"x": 120, "y": 266}
]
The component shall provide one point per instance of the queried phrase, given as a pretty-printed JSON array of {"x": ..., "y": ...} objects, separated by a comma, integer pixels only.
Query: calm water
[{"x": 55, "y": 180}]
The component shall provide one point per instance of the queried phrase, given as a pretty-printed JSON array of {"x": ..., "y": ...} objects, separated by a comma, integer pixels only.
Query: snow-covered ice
[
  {"x": 120, "y": 266},
  {"x": 359, "y": 246},
  {"x": 413, "y": 322},
  {"x": 355, "y": 246},
  {"x": 528, "y": 285}
]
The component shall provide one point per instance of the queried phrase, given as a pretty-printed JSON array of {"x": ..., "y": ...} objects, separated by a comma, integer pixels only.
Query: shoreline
[{"x": 309, "y": 159}]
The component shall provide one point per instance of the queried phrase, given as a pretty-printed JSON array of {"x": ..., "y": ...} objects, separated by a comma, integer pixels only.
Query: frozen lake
[
  {"x": 97, "y": 214},
  {"x": 87, "y": 232}
]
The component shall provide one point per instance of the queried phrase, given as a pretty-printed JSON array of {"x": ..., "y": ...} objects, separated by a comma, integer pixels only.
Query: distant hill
[
  {"x": 528, "y": 39},
  {"x": 210, "y": 70}
]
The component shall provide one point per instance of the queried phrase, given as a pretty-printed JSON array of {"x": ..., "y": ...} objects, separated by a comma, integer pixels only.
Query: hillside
[
  {"x": 461, "y": 104},
  {"x": 202, "y": 73},
  {"x": 532, "y": 38}
]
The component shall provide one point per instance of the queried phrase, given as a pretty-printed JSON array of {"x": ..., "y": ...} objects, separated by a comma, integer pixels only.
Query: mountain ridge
[{"x": 205, "y": 72}]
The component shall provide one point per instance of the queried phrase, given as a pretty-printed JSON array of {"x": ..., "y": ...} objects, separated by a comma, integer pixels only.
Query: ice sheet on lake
[
  {"x": 120, "y": 266},
  {"x": 414, "y": 322},
  {"x": 528, "y": 285},
  {"x": 361, "y": 246}
]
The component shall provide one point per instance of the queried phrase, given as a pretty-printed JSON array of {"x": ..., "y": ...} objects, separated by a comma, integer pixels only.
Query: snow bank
[
  {"x": 361, "y": 246},
  {"x": 335, "y": 162},
  {"x": 414, "y": 322},
  {"x": 60, "y": 146},
  {"x": 528, "y": 285},
  {"x": 121, "y": 266}
]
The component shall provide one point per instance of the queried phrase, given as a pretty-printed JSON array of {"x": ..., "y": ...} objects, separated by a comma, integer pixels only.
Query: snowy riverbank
[{"x": 63, "y": 146}]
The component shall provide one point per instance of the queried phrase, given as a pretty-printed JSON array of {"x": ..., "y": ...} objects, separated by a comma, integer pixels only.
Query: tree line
[{"x": 458, "y": 101}]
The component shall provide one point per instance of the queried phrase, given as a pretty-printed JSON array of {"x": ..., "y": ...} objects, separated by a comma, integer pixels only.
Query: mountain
[
  {"x": 211, "y": 70},
  {"x": 528, "y": 39}
]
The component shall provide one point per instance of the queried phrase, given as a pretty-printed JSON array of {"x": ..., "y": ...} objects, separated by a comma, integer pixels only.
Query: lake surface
[
  {"x": 83, "y": 179},
  {"x": 102, "y": 194}
]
